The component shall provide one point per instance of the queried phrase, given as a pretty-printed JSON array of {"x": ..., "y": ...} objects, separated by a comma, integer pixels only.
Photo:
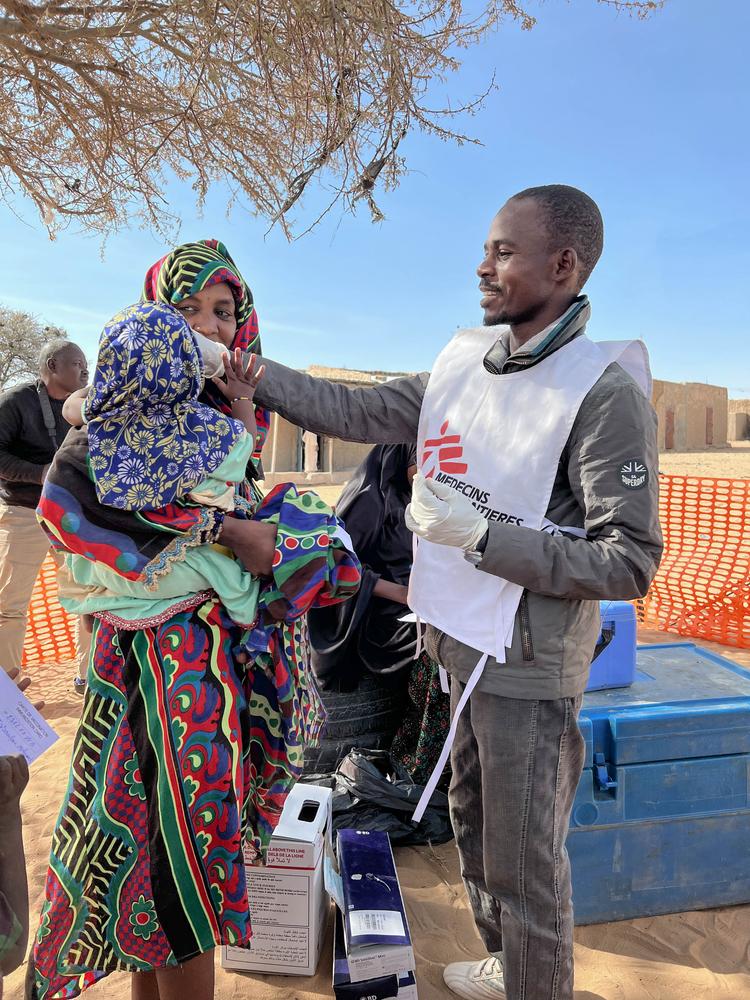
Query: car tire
[{"x": 366, "y": 718}]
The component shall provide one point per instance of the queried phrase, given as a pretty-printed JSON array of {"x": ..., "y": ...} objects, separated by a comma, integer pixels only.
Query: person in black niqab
[
  {"x": 365, "y": 636},
  {"x": 377, "y": 694}
]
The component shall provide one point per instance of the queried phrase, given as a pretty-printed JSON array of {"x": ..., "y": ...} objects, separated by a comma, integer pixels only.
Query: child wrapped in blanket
[{"x": 153, "y": 448}]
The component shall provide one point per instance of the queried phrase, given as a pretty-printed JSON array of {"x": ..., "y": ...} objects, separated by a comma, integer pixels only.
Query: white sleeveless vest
[{"x": 497, "y": 439}]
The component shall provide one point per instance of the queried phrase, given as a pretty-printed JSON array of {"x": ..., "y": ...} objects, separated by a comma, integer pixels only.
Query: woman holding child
[{"x": 198, "y": 705}]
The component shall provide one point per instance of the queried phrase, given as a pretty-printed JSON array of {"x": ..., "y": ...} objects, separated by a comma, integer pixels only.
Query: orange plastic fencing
[
  {"x": 702, "y": 588},
  {"x": 50, "y": 632}
]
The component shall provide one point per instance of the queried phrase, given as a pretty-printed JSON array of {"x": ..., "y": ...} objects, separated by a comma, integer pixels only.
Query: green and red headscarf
[{"x": 190, "y": 268}]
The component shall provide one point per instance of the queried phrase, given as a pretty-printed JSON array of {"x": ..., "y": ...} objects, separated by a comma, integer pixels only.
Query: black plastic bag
[{"x": 373, "y": 792}]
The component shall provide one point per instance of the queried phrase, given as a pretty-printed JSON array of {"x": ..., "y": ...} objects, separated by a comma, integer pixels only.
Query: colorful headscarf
[
  {"x": 150, "y": 440},
  {"x": 190, "y": 268}
]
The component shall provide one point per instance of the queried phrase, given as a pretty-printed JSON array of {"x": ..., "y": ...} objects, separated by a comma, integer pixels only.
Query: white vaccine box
[
  {"x": 289, "y": 907},
  {"x": 397, "y": 985}
]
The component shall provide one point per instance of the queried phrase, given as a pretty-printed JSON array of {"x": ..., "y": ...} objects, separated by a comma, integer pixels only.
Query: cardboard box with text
[{"x": 289, "y": 906}]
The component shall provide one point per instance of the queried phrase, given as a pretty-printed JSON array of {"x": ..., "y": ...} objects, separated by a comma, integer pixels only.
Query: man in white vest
[{"x": 536, "y": 498}]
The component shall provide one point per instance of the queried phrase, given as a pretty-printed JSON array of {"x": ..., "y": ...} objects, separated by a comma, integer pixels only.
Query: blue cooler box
[
  {"x": 613, "y": 665},
  {"x": 661, "y": 819}
]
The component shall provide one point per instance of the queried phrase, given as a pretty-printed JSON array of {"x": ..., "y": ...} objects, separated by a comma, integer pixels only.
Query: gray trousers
[{"x": 516, "y": 766}]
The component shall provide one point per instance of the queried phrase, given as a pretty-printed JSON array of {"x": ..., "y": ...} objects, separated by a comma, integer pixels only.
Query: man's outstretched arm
[{"x": 387, "y": 413}]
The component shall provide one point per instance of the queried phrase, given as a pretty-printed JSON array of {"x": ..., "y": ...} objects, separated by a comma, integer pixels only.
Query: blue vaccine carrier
[{"x": 661, "y": 820}]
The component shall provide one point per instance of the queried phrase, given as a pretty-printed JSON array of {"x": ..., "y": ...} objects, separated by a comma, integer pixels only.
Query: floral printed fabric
[
  {"x": 419, "y": 740},
  {"x": 150, "y": 440}
]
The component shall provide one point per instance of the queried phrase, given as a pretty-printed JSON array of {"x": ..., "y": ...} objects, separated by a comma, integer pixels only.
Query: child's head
[
  {"x": 150, "y": 440},
  {"x": 147, "y": 356}
]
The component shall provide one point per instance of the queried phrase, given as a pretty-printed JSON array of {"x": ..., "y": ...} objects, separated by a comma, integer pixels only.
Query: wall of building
[
  {"x": 282, "y": 445},
  {"x": 293, "y": 455},
  {"x": 692, "y": 416},
  {"x": 739, "y": 419},
  {"x": 348, "y": 454}
]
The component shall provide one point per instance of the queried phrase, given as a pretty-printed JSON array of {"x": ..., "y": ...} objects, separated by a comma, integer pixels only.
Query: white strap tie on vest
[{"x": 431, "y": 785}]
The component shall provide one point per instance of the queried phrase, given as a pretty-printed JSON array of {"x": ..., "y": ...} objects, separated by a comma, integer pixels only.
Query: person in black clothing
[
  {"x": 378, "y": 694},
  {"x": 32, "y": 428},
  {"x": 366, "y": 636}
]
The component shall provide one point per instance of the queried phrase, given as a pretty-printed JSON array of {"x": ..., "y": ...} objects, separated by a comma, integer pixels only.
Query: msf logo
[{"x": 443, "y": 454}]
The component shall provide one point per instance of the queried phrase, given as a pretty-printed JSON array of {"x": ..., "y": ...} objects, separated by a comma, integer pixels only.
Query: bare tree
[
  {"x": 101, "y": 101},
  {"x": 22, "y": 337}
]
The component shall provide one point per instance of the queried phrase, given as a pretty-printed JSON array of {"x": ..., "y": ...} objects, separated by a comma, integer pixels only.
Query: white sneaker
[{"x": 476, "y": 980}]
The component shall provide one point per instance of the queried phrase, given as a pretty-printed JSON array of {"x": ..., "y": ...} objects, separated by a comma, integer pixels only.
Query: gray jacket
[{"x": 564, "y": 577}]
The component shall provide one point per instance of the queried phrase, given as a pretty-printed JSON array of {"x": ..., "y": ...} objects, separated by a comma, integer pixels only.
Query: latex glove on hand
[
  {"x": 439, "y": 514},
  {"x": 212, "y": 354}
]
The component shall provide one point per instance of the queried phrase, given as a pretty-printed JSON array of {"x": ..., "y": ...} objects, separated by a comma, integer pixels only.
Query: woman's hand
[
  {"x": 240, "y": 377},
  {"x": 253, "y": 542}
]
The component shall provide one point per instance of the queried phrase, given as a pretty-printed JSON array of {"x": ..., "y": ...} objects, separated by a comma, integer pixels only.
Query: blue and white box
[
  {"x": 400, "y": 986},
  {"x": 613, "y": 665},
  {"x": 376, "y": 931}
]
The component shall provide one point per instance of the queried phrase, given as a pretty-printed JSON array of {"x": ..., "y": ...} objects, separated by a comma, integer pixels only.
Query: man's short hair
[
  {"x": 50, "y": 350},
  {"x": 573, "y": 220}
]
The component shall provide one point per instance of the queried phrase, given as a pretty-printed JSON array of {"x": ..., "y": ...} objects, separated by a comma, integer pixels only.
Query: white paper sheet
[{"x": 22, "y": 729}]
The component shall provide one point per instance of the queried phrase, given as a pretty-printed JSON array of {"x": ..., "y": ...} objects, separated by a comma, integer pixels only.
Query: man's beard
[
  {"x": 494, "y": 320},
  {"x": 504, "y": 318}
]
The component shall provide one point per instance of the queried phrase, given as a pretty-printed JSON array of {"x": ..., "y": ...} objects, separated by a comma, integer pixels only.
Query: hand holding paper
[
  {"x": 22, "y": 729},
  {"x": 439, "y": 514},
  {"x": 22, "y": 684}
]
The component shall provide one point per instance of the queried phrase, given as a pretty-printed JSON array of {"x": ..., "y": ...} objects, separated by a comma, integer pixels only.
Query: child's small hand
[
  {"x": 14, "y": 777},
  {"x": 240, "y": 377}
]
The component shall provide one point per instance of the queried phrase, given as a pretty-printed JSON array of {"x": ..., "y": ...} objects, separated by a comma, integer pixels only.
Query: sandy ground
[
  {"x": 732, "y": 462},
  {"x": 688, "y": 956}
]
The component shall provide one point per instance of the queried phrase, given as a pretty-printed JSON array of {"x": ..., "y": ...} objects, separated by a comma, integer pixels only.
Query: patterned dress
[
  {"x": 179, "y": 753},
  {"x": 184, "y": 750},
  {"x": 420, "y": 738},
  {"x": 183, "y": 754}
]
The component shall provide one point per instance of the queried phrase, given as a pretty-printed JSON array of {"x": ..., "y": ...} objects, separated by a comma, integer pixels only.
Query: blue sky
[{"x": 650, "y": 118}]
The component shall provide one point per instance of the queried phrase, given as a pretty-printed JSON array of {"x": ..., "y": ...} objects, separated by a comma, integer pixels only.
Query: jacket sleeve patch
[{"x": 633, "y": 474}]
